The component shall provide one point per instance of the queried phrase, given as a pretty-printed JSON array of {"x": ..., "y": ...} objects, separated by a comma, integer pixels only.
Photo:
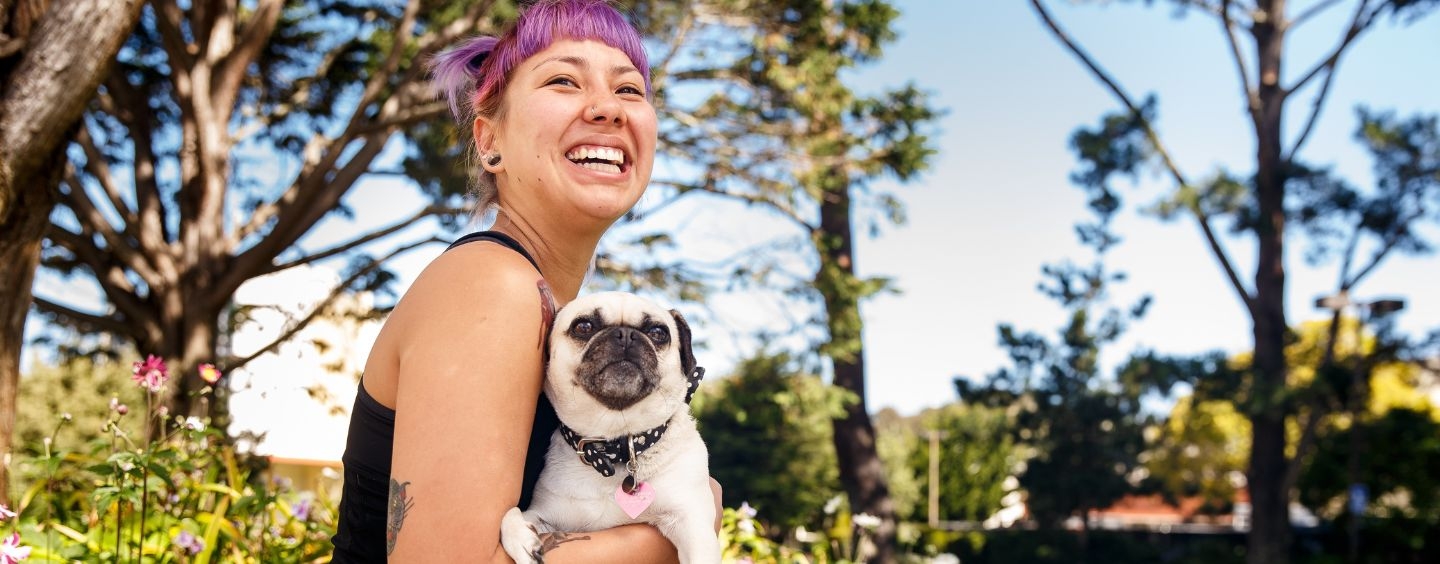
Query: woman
[{"x": 449, "y": 427}]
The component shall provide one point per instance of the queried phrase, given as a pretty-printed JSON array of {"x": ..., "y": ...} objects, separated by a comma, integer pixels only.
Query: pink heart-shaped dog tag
[{"x": 634, "y": 503}]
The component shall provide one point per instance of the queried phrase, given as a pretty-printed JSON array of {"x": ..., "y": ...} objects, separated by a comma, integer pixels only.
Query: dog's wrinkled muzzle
[{"x": 619, "y": 368}]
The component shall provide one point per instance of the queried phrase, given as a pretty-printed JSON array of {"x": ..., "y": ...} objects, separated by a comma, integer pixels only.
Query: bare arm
[{"x": 468, "y": 363}]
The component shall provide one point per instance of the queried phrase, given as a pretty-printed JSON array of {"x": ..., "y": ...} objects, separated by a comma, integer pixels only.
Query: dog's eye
[
  {"x": 658, "y": 333},
  {"x": 582, "y": 328}
]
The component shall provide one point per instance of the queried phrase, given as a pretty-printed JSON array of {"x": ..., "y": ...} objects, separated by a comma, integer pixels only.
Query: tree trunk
[
  {"x": 21, "y": 230},
  {"x": 65, "y": 50},
  {"x": 861, "y": 472},
  {"x": 1269, "y": 539}
]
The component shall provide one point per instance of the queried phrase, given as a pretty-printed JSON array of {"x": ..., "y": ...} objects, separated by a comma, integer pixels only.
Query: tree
[
  {"x": 1201, "y": 451},
  {"x": 896, "y": 440},
  {"x": 762, "y": 116},
  {"x": 226, "y": 133},
  {"x": 977, "y": 454},
  {"x": 767, "y": 427},
  {"x": 321, "y": 87},
  {"x": 1084, "y": 429},
  {"x": 1281, "y": 190},
  {"x": 51, "y": 59}
]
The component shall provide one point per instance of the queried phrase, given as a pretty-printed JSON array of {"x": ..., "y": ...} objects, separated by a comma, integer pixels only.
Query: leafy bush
[{"x": 184, "y": 495}]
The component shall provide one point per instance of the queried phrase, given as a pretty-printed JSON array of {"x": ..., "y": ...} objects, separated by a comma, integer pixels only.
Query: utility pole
[{"x": 934, "y": 514}]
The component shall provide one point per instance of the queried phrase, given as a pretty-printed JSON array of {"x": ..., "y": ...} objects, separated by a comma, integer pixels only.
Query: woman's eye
[
  {"x": 562, "y": 81},
  {"x": 630, "y": 90}
]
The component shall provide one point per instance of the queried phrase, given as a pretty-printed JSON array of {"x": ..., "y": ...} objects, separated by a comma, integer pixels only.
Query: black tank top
[{"x": 360, "y": 536}]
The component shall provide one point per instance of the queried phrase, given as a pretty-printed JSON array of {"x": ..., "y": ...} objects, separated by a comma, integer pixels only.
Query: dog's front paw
[{"x": 519, "y": 538}]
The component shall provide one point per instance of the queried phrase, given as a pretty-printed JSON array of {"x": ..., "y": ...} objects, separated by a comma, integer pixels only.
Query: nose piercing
[{"x": 594, "y": 110}]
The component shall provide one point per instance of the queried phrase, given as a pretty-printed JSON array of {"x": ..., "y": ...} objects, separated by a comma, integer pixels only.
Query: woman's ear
[{"x": 483, "y": 131}]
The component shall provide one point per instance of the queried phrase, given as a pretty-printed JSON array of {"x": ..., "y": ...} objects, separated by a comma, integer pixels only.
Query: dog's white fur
[{"x": 571, "y": 496}]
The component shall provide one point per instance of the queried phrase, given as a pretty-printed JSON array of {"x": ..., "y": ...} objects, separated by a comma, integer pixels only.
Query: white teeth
[
  {"x": 602, "y": 167},
  {"x": 611, "y": 154}
]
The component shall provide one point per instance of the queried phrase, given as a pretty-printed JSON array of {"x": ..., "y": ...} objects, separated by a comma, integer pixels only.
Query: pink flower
[
  {"x": 5, "y": 512},
  {"x": 209, "y": 373},
  {"x": 151, "y": 373},
  {"x": 11, "y": 551}
]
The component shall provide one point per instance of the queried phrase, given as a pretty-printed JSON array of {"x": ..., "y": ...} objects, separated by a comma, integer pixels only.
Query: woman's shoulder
[
  {"x": 479, "y": 264},
  {"x": 472, "y": 281}
]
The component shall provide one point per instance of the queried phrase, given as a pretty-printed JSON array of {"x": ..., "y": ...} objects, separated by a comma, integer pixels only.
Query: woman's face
[{"x": 577, "y": 134}]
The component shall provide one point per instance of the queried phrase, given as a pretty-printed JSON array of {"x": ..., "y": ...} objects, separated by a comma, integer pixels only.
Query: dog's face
[{"x": 618, "y": 363}]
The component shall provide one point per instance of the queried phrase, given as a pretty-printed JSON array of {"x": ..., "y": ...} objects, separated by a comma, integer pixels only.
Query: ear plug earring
[{"x": 493, "y": 159}]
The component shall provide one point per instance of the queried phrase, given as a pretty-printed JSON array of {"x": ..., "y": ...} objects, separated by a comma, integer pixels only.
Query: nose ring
[{"x": 594, "y": 110}]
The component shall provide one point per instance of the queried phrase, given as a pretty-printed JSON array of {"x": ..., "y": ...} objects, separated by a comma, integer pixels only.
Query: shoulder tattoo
[
  {"x": 399, "y": 505},
  {"x": 547, "y": 310}
]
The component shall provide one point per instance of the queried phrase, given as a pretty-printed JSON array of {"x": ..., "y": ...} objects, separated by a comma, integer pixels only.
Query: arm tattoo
[
  {"x": 399, "y": 505},
  {"x": 549, "y": 541}
]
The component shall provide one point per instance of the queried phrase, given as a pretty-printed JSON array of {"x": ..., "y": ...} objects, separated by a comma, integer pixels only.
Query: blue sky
[{"x": 997, "y": 203}]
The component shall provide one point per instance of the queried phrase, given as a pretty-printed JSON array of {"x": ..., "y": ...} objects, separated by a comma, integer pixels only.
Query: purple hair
[{"x": 472, "y": 75}]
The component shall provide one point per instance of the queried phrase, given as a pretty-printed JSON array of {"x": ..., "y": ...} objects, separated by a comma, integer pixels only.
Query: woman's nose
[{"x": 605, "y": 109}]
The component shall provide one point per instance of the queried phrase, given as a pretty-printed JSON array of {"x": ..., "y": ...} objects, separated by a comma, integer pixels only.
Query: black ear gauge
[{"x": 492, "y": 159}]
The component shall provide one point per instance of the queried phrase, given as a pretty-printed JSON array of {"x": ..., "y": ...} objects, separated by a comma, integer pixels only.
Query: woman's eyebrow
[{"x": 585, "y": 64}]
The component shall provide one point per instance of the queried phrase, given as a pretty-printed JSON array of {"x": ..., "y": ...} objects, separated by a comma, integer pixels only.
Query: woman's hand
[{"x": 719, "y": 505}]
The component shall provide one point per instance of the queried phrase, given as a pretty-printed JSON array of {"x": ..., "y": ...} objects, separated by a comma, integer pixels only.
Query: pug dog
[{"x": 620, "y": 373}]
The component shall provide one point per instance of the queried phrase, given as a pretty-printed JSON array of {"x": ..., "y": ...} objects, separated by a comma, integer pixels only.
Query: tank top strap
[{"x": 497, "y": 237}]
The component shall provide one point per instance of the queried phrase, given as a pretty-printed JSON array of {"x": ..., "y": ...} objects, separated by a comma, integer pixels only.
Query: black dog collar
[{"x": 605, "y": 454}]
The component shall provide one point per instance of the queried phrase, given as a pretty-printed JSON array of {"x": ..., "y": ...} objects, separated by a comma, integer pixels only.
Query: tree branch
[
  {"x": 1247, "y": 89},
  {"x": 1203, "y": 219},
  {"x": 1391, "y": 239},
  {"x": 92, "y": 221},
  {"x": 1358, "y": 23},
  {"x": 410, "y": 114},
  {"x": 1311, "y": 12},
  {"x": 96, "y": 164},
  {"x": 80, "y": 321},
  {"x": 367, "y": 238},
  {"x": 1310, "y": 430},
  {"x": 225, "y": 83},
  {"x": 109, "y": 274},
  {"x": 339, "y": 290},
  {"x": 400, "y": 39},
  {"x": 168, "y": 16},
  {"x": 659, "y": 72},
  {"x": 313, "y": 194}
]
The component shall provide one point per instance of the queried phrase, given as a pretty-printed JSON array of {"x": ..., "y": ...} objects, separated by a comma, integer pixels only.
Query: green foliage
[
  {"x": 1201, "y": 450},
  {"x": 753, "y": 108},
  {"x": 82, "y": 388},
  {"x": 1401, "y": 449},
  {"x": 743, "y": 538},
  {"x": 977, "y": 453},
  {"x": 897, "y": 442},
  {"x": 186, "y": 496},
  {"x": 767, "y": 428},
  {"x": 1084, "y": 429}
]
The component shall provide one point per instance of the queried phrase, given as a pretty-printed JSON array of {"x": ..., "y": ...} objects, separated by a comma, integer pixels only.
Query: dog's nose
[{"x": 626, "y": 336}]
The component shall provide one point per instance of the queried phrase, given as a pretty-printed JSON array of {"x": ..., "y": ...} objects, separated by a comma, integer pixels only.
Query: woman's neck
[{"x": 563, "y": 257}]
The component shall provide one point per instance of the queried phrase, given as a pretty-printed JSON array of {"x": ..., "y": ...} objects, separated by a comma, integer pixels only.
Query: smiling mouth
[{"x": 600, "y": 159}]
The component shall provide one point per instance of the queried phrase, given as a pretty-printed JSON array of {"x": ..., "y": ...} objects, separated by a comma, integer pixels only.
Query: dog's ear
[{"x": 682, "y": 339}]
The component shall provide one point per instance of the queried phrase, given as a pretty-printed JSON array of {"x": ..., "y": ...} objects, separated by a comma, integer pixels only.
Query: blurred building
[
  {"x": 292, "y": 403},
  {"x": 1154, "y": 513}
]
